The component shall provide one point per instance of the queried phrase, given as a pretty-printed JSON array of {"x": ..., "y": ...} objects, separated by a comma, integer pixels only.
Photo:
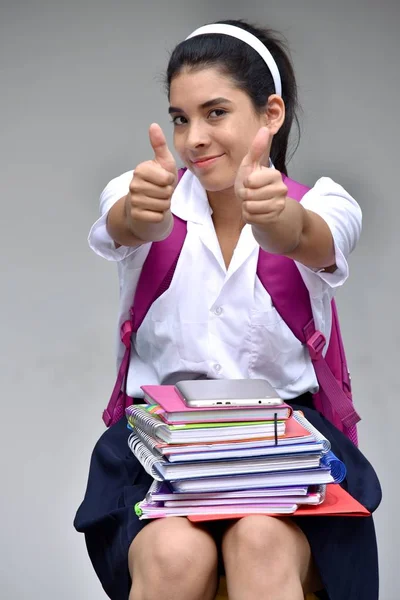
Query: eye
[
  {"x": 217, "y": 112},
  {"x": 179, "y": 120}
]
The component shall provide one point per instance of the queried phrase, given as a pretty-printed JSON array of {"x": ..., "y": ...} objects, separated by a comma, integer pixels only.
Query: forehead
[{"x": 196, "y": 86}]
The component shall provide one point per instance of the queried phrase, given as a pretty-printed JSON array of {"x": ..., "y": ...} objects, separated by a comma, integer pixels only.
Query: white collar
[{"x": 189, "y": 200}]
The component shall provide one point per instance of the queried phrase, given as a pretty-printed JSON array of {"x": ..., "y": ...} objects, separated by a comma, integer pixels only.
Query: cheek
[
  {"x": 237, "y": 143},
  {"x": 232, "y": 145},
  {"x": 178, "y": 144},
  {"x": 238, "y": 152}
]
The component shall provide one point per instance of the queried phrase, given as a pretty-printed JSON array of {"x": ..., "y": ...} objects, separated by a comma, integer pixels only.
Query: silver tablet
[{"x": 227, "y": 392}]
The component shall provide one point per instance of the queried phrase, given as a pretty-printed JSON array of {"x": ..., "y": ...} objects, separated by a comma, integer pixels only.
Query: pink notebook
[{"x": 174, "y": 410}]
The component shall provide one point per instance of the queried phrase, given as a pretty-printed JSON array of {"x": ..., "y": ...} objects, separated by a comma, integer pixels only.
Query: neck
[{"x": 227, "y": 210}]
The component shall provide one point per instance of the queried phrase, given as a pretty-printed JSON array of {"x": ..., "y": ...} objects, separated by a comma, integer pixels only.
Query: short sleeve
[
  {"x": 344, "y": 218},
  {"x": 99, "y": 239}
]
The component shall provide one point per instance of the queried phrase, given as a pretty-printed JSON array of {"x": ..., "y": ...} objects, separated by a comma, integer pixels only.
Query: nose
[{"x": 197, "y": 136}]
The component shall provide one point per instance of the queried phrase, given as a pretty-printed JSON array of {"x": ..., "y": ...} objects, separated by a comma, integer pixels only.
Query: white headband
[{"x": 247, "y": 38}]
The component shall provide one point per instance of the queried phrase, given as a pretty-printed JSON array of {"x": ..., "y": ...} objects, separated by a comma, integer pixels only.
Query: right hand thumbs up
[
  {"x": 162, "y": 154},
  {"x": 147, "y": 206}
]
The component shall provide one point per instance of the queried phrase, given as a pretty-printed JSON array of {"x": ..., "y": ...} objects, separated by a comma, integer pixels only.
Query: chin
[{"x": 216, "y": 182}]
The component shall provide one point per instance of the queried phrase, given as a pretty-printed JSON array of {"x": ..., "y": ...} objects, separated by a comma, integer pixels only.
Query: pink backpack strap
[
  {"x": 296, "y": 190},
  {"x": 281, "y": 278},
  {"x": 157, "y": 272},
  {"x": 155, "y": 278}
]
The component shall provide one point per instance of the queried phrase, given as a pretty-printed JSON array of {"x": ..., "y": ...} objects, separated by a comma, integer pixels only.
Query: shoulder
[
  {"x": 343, "y": 215},
  {"x": 339, "y": 209},
  {"x": 114, "y": 190},
  {"x": 326, "y": 194}
]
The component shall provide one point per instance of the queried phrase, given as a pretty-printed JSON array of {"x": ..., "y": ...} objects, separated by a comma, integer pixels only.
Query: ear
[{"x": 275, "y": 113}]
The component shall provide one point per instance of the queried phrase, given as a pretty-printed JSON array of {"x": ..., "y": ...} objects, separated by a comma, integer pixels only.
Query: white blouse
[{"x": 220, "y": 323}]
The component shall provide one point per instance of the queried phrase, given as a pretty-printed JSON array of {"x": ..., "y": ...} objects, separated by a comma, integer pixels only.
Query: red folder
[{"x": 337, "y": 503}]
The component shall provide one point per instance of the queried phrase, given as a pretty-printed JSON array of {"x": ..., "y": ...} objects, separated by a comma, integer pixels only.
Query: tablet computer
[{"x": 227, "y": 392}]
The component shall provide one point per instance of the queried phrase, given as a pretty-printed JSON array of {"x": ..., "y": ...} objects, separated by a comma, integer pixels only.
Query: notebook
[
  {"x": 337, "y": 503},
  {"x": 152, "y": 507},
  {"x": 150, "y": 511},
  {"x": 151, "y": 424},
  {"x": 161, "y": 491},
  {"x": 171, "y": 408},
  {"x": 309, "y": 500},
  {"x": 216, "y": 453},
  {"x": 315, "y": 476},
  {"x": 159, "y": 468},
  {"x": 298, "y": 437}
]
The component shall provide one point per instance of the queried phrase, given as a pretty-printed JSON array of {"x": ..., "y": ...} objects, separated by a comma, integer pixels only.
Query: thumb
[
  {"x": 162, "y": 154},
  {"x": 257, "y": 149}
]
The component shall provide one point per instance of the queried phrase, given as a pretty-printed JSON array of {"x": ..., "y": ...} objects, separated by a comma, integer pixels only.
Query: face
[{"x": 214, "y": 125}]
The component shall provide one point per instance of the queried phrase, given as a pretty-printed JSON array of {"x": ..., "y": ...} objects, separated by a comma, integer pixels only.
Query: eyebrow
[{"x": 208, "y": 104}]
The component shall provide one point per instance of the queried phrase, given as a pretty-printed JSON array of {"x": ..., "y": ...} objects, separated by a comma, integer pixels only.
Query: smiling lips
[{"x": 202, "y": 163}]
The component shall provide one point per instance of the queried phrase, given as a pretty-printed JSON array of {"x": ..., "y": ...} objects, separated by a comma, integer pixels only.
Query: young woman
[{"x": 232, "y": 94}]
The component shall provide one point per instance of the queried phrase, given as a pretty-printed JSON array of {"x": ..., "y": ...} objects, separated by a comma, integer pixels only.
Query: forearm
[
  {"x": 282, "y": 236},
  {"x": 126, "y": 232},
  {"x": 299, "y": 234}
]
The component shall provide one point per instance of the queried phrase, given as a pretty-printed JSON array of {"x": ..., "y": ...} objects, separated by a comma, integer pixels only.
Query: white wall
[{"x": 79, "y": 88}]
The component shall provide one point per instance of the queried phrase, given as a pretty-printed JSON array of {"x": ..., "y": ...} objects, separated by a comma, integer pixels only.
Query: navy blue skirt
[{"x": 344, "y": 548}]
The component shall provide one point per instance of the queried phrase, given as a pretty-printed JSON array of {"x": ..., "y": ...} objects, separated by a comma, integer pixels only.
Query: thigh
[{"x": 260, "y": 541}]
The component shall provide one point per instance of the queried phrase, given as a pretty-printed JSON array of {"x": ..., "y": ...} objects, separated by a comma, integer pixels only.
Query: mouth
[{"x": 206, "y": 161}]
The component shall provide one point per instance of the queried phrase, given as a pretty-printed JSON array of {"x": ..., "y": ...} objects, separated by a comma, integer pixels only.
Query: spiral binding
[
  {"x": 153, "y": 489},
  {"x": 300, "y": 418},
  {"x": 337, "y": 467},
  {"x": 148, "y": 441},
  {"x": 144, "y": 456},
  {"x": 146, "y": 421}
]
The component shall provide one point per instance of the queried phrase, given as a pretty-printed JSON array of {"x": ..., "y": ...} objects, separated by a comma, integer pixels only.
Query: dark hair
[{"x": 248, "y": 70}]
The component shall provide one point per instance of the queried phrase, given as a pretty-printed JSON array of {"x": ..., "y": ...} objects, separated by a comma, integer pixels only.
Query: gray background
[{"x": 79, "y": 86}]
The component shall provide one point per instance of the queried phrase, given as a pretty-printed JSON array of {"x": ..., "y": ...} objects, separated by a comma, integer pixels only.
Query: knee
[
  {"x": 179, "y": 555},
  {"x": 176, "y": 553},
  {"x": 256, "y": 537},
  {"x": 274, "y": 551}
]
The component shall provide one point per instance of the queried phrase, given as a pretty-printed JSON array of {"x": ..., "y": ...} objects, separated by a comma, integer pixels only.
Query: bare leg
[
  {"x": 173, "y": 559},
  {"x": 268, "y": 558}
]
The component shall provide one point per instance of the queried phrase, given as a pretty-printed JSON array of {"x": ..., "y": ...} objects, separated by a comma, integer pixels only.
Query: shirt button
[
  {"x": 217, "y": 367},
  {"x": 218, "y": 311}
]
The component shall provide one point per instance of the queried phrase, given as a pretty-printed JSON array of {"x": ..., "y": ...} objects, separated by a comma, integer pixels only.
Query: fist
[
  {"x": 147, "y": 205},
  {"x": 261, "y": 189}
]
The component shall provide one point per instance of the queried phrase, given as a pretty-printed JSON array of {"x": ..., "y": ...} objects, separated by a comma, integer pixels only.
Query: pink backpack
[{"x": 281, "y": 278}]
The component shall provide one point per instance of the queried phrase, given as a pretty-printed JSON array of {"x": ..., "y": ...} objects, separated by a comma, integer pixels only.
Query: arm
[
  {"x": 319, "y": 232},
  {"x": 300, "y": 234},
  {"x": 144, "y": 214},
  {"x": 125, "y": 231}
]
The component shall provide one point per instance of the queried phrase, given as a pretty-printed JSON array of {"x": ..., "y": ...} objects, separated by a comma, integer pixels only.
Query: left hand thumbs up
[{"x": 260, "y": 188}]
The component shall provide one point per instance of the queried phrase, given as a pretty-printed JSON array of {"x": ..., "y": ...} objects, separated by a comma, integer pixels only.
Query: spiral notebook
[
  {"x": 315, "y": 476},
  {"x": 161, "y": 491},
  {"x": 139, "y": 415},
  {"x": 203, "y": 509},
  {"x": 300, "y": 436},
  {"x": 218, "y": 454},
  {"x": 159, "y": 468}
]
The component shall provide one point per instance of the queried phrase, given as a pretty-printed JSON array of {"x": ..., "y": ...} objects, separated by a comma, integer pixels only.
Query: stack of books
[{"x": 221, "y": 462}]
